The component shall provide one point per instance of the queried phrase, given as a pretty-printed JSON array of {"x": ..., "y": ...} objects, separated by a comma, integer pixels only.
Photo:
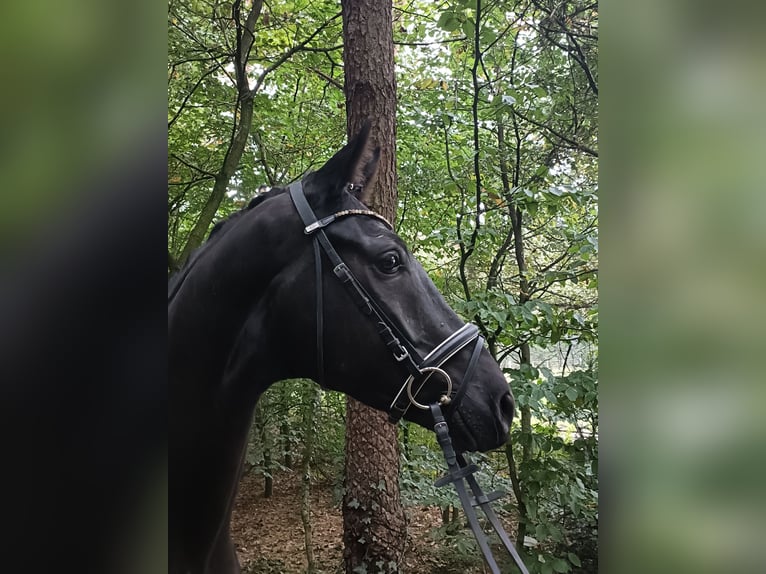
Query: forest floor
[{"x": 268, "y": 532}]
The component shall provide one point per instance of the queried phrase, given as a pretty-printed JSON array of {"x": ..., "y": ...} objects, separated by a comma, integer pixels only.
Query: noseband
[{"x": 403, "y": 350}]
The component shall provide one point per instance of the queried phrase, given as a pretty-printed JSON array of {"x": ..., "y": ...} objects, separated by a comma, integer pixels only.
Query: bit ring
[{"x": 430, "y": 370}]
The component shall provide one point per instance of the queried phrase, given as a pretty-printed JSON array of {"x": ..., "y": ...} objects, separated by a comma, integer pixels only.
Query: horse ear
[
  {"x": 362, "y": 190},
  {"x": 355, "y": 164}
]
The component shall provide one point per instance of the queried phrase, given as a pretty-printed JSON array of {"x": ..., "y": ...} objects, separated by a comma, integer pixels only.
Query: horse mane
[
  {"x": 254, "y": 202},
  {"x": 175, "y": 280}
]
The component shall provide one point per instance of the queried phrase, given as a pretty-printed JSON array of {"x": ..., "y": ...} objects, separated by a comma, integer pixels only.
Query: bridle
[
  {"x": 420, "y": 370},
  {"x": 403, "y": 350}
]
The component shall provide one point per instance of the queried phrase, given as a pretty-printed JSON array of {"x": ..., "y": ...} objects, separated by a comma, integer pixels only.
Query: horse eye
[{"x": 389, "y": 263}]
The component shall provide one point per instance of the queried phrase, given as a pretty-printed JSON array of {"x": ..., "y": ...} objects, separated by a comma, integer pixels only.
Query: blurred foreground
[{"x": 82, "y": 240}]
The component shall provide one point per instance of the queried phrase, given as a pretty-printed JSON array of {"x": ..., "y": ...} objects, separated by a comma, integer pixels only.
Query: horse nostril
[{"x": 507, "y": 406}]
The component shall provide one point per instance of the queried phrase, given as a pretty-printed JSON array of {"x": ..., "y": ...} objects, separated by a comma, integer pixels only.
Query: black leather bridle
[
  {"x": 403, "y": 350},
  {"x": 460, "y": 469}
]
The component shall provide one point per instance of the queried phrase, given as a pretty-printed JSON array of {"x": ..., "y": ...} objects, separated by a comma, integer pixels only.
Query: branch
[
  {"x": 245, "y": 39},
  {"x": 544, "y": 289},
  {"x": 578, "y": 146},
  {"x": 287, "y": 55},
  {"x": 204, "y": 59},
  {"x": 176, "y": 201},
  {"x": 574, "y": 47},
  {"x": 189, "y": 95},
  {"x": 327, "y": 78},
  {"x": 262, "y": 157},
  {"x": 321, "y": 50},
  {"x": 502, "y": 34},
  {"x": 580, "y": 59},
  {"x": 467, "y": 251},
  {"x": 192, "y": 166},
  {"x": 461, "y": 39}
]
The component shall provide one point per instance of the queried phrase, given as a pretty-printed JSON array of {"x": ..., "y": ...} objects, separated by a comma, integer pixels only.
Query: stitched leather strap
[
  {"x": 436, "y": 358},
  {"x": 484, "y": 501},
  {"x": 460, "y": 469}
]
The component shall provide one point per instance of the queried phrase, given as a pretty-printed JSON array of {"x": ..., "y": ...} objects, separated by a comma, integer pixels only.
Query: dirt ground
[{"x": 269, "y": 535}]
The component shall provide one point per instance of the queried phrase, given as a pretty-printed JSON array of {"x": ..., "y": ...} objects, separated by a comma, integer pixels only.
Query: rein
[
  {"x": 460, "y": 471},
  {"x": 420, "y": 370}
]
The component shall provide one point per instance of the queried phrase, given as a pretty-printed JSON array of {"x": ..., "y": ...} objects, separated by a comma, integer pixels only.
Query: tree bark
[
  {"x": 268, "y": 467},
  {"x": 309, "y": 433},
  {"x": 525, "y": 412},
  {"x": 374, "y": 525}
]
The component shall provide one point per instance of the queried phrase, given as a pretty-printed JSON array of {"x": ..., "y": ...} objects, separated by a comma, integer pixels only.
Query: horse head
[{"x": 334, "y": 338}]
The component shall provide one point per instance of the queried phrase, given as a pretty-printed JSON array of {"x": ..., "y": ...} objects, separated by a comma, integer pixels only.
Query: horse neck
[{"x": 207, "y": 321}]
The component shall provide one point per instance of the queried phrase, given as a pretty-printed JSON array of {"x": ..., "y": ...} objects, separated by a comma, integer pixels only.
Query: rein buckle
[{"x": 404, "y": 355}]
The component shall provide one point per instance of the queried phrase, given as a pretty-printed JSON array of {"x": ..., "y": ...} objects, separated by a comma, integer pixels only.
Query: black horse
[{"x": 256, "y": 305}]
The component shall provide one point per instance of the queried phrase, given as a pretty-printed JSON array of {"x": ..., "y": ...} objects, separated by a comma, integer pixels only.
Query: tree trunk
[
  {"x": 525, "y": 412},
  {"x": 309, "y": 432},
  {"x": 222, "y": 178},
  {"x": 268, "y": 467},
  {"x": 374, "y": 526},
  {"x": 285, "y": 430},
  {"x": 242, "y": 124}
]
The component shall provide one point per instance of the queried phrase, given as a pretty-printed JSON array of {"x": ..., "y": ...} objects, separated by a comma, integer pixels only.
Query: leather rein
[{"x": 420, "y": 369}]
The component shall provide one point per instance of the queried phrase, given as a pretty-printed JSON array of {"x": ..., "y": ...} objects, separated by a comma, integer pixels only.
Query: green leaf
[
  {"x": 469, "y": 28},
  {"x": 487, "y": 36},
  {"x": 571, "y": 393},
  {"x": 550, "y": 396},
  {"x": 574, "y": 559},
  {"x": 560, "y": 565},
  {"x": 444, "y": 17},
  {"x": 529, "y": 317},
  {"x": 541, "y": 531},
  {"x": 530, "y": 542},
  {"x": 448, "y": 21}
]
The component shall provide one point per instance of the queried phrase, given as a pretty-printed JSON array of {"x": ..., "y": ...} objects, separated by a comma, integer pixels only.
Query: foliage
[
  {"x": 497, "y": 165},
  {"x": 278, "y": 428}
]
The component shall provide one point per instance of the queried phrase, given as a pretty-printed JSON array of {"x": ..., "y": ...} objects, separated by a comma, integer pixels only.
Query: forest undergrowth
[{"x": 268, "y": 534}]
